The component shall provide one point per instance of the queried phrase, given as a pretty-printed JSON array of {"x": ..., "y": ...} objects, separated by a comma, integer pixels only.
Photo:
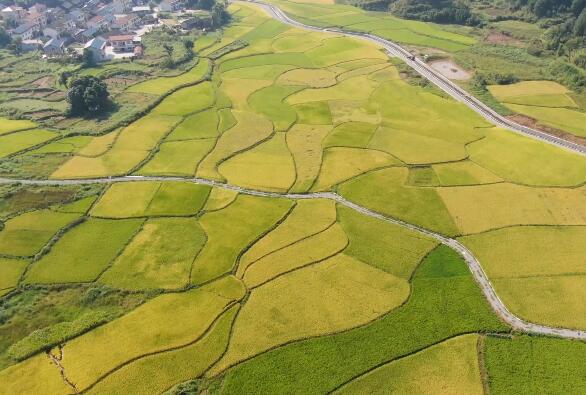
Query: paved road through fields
[
  {"x": 473, "y": 264},
  {"x": 434, "y": 77}
]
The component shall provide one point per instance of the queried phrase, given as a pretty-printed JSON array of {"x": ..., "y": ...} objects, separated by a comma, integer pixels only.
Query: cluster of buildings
[{"x": 106, "y": 29}]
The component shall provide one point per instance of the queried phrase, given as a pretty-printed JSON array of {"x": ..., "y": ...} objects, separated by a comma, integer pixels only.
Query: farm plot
[
  {"x": 159, "y": 256},
  {"x": 370, "y": 239},
  {"x": 165, "y": 322},
  {"x": 249, "y": 130},
  {"x": 311, "y": 250},
  {"x": 269, "y": 166},
  {"x": 33, "y": 376},
  {"x": 187, "y": 100},
  {"x": 10, "y": 272},
  {"x": 351, "y": 18},
  {"x": 480, "y": 208},
  {"x": 449, "y": 367},
  {"x": 546, "y": 101},
  {"x": 304, "y": 142},
  {"x": 533, "y": 93},
  {"x": 129, "y": 148},
  {"x": 445, "y": 302},
  {"x": 231, "y": 230},
  {"x": 422, "y": 206},
  {"x": 141, "y": 199},
  {"x": 26, "y": 234},
  {"x": 307, "y": 218},
  {"x": 179, "y": 158},
  {"x": 267, "y": 295},
  {"x": 464, "y": 173},
  {"x": 519, "y": 159},
  {"x": 531, "y": 364},
  {"x": 538, "y": 271},
  {"x": 157, "y": 373},
  {"x": 84, "y": 252},
  {"x": 336, "y": 294},
  {"x": 161, "y": 85},
  {"x": 15, "y": 125},
  {"x": 18, "y": 141}
]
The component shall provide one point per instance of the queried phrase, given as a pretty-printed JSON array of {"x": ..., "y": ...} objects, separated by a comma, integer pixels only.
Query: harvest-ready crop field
[{"x": 200, "y": 244}]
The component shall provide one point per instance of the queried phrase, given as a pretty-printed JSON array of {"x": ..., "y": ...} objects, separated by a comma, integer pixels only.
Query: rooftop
[
  {"x": 122, "y": 37},
  {"x": 96, "y": 43},
  {"x": 54, "y": 42},
  {"x": 25, "y": 27}
]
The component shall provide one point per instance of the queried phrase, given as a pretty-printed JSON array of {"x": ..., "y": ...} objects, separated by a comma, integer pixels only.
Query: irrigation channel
[
  {"x": 478, "y": 273},
  {"x": 459, "y": 94}
]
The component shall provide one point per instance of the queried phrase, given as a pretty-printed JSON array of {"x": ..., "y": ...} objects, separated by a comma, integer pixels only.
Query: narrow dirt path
[{"x": 474, "y": 265}]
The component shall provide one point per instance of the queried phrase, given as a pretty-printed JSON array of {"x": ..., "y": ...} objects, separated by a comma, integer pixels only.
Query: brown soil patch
[
  {"x": 501, "y": 38},
  {"x": 44, "y": 82},
  {"x": 56, "y": 96},
  {"x": 450, "y": 70},
  {"x": 533, "y": 123}
]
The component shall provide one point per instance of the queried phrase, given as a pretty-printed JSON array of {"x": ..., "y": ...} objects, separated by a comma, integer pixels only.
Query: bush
[
  {"x": 46, "y": 338},
  {"x": 568, "y": 75}
]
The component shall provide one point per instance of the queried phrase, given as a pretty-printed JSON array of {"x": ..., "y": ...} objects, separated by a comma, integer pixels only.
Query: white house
[
  {"x": 97, "y": 46},
  {"x": 122, "y": 43}
]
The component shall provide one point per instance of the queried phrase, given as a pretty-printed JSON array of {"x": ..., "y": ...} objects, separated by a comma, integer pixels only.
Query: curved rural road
[
  {"x": 436, "y": 78},
  {"x": 479, "y": 275}
]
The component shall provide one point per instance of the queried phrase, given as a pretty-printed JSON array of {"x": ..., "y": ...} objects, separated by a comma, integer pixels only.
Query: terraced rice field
[
  {"x": 275, "y": 294},
  {"x": 545, "y": 101}
]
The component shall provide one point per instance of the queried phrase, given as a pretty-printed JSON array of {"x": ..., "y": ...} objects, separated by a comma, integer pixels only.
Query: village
[{"x": 105, "y": 31}]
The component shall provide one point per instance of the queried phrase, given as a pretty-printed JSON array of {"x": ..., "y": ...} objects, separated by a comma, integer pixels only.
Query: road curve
[
  {"x": 474, "y": 265},
  {"x": 434, "y": 77}
]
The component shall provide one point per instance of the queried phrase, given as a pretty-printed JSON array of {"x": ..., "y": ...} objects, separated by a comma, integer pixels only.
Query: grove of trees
[{"x": 87, "y": 95}]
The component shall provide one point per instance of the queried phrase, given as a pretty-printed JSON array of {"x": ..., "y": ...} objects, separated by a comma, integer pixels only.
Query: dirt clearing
[{"x": 450, "y": 70}]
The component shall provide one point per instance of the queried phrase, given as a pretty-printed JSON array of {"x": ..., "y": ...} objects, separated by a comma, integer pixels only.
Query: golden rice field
[
  {"x": 546, "y": 101},
  {"x": 236, "y": 293}
]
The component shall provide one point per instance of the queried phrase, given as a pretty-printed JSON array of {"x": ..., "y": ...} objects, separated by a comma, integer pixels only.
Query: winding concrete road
[
  {"x": 478, "y": 273},
  {"x": 434, "y": 77}
]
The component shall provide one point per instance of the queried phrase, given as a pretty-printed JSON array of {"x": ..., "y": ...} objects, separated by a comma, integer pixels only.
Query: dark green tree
[
  {"x": 169, "y": 49},
  {"x": 4, "y": 38},
  {"x": 188, "y": 45},
  {"x": 64, "y": 77},
  {"x": 87, "y": 95},
  {"x": 87, "y": 58},
  {"x": 16, "y": 46},
  {"x": 580, "y": 25},
  {"x": 219, "y": 14},
  {"x": 206, "y": 4}
]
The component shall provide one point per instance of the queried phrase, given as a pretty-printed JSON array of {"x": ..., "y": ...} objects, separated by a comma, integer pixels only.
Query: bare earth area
[
  {"x": 501, "y": 38},
  {"x": 450, "y": 70}
]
